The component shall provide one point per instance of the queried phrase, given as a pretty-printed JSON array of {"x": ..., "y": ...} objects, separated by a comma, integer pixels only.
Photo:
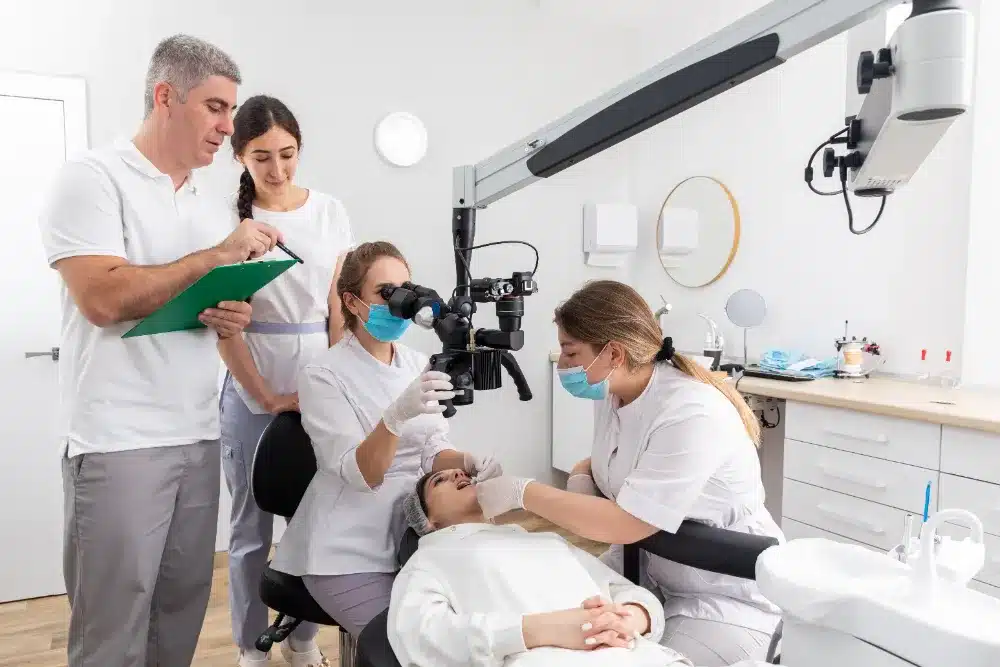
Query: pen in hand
[{"x": 290, "y": 253}]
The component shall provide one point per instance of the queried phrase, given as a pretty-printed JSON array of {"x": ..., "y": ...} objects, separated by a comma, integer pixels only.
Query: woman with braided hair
[
  {"x": 671, "y": 443},
  {"x": 295, "y": 317}
]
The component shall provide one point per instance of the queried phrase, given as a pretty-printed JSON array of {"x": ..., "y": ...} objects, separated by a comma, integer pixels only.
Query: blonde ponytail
[{"x": 691, "y": 367}]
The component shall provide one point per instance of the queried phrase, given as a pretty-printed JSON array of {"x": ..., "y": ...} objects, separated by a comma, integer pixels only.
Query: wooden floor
[{"x": 33, "y": 632}]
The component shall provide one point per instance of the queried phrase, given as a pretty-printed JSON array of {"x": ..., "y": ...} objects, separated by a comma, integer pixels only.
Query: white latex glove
[
  {"x": 481, "y": 467},
  {"x": 420, "y": 398},
  {"x": 501, "y": 495}
]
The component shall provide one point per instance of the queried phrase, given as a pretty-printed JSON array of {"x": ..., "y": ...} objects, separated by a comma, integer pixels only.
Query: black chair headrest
[{"x": 283, "y": 465}]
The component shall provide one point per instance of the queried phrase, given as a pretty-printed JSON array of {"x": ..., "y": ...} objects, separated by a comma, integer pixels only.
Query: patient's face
[{"x": 450, "y": 498}]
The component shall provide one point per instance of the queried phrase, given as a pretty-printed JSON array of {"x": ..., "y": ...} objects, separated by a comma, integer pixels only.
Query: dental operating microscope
[{"x": 915, "y": 87}]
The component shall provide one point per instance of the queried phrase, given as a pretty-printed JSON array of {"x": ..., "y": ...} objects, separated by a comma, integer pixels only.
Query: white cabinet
[
  {"x": 852, "y": 477},
  {"x": 572, "y": 426}
]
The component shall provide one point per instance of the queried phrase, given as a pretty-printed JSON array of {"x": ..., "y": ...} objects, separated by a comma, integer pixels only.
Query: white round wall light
[{"x": 401, "y": 139}]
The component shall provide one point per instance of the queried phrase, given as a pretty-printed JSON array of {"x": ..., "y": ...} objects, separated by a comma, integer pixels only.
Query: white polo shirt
[{"x": 149, "y": 391}]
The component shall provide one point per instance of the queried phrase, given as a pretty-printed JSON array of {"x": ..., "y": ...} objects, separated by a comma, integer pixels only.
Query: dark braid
[
  {"x": 244, "y": 200},
  {"x": 255, "y": 117}
]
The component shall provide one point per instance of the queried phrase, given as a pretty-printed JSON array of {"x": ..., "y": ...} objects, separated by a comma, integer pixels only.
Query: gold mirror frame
[{"x": 736, "y": 229}]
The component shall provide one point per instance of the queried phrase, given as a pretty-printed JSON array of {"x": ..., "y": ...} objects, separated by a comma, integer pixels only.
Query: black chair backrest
[
  {"x": 407, "y": 546},
  {"x": 703, "y": 547},
  {"x": 283, "y": 465}
]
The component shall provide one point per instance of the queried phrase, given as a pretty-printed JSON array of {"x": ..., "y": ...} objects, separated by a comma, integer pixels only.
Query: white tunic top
[
  {"x": 342, "y": 526},
  {"x": 149, "y": 391},
  {"x": 319, "y": 232},
  {"x": 680, "y": 451},
  {"x": 459, "y": 601}
]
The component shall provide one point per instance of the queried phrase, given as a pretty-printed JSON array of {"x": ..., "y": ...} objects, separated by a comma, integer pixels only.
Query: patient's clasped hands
[{"x": 598, "y": 623}]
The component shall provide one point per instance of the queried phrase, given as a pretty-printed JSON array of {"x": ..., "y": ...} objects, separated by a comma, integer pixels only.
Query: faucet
[
  {"x": 662, "y": 310},
  {"x": 716, "y": 342}
]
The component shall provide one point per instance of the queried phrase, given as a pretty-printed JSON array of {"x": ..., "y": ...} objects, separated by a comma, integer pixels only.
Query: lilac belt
[{"x": 286, "y": 328}]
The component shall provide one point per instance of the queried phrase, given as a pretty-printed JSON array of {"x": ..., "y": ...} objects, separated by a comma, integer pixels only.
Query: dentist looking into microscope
[
  {"x": 371, "y": 409},
  {"x": 671, "y": 443}
]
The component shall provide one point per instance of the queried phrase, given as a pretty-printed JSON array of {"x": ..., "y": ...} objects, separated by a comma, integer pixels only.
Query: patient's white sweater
[{"x": 460, "y": 599}]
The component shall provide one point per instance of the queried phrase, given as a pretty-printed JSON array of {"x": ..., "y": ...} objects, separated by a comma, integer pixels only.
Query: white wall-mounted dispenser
[
  {"x": 677, "y": 235},
  {"x": 610, "y": 233}
]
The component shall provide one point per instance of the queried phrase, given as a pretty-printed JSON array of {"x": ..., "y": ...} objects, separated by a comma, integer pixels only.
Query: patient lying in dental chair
[{"x": 475, "y": 593}]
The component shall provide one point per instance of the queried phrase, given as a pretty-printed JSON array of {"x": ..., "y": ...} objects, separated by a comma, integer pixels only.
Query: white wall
[
  {"x": 981, "y": 364},
  {"x": 480, "y": 75},
  {"x": 902, "y": 283},
  {"x": 483, "y": 75}
]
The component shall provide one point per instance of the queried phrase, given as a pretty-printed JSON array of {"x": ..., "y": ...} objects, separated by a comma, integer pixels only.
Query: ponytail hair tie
[{"x": 666, "y": 352}]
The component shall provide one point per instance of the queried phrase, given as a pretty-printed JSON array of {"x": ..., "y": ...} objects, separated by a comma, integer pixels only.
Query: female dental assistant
[
  {"x": 295, "y": 317},
  {"x": 671, "y": 443},
  {"x": 372, "y": 412}
]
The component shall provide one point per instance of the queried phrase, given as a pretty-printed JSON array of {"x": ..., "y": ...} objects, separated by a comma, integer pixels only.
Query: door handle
[{"x": 54, "y": 353}]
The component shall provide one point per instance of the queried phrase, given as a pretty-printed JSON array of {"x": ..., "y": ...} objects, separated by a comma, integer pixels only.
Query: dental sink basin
[{"x": 874, "y": 598}]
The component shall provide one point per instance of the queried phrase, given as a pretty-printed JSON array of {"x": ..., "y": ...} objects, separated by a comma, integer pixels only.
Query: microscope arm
[{"x": 754, "y": 44}]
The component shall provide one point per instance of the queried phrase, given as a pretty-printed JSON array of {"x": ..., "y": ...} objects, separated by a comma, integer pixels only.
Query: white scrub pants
[
  {"x": 251, "y": 528},
  {"x": 712, "y": 643}
]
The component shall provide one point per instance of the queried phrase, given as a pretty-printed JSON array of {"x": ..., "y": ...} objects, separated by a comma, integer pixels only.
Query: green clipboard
[{"x": 232, "y": 282}]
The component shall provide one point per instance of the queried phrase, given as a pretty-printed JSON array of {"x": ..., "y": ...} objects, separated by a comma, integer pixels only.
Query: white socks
[
  {"x": 301, "y": 646},
  {"x": 254, "y": 654}
]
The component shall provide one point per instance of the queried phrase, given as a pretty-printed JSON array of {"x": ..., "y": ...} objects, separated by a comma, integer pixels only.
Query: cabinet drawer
[
  {"x": 990, "y": 574},
  {"x": 970, "y": 453},
  {"x": 795, "y": 530},
  {"x": 886, "y": 482},
  {"x": 890, "y": 438},
  {"x": 980, "y": 498},
  {"x": 862, "y": 520}
]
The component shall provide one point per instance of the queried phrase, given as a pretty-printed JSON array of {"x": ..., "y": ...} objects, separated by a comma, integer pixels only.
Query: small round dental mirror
[{"x": 746, "y": 308}]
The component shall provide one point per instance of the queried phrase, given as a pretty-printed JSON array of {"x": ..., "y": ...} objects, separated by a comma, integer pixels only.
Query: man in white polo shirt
[{"x": 128, "y": 227}]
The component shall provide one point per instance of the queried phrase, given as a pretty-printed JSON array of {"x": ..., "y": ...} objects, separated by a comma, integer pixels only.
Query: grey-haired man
[{"x": 128, "y": 227}]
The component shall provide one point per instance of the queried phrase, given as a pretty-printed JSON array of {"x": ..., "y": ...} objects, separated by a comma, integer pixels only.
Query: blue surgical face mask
[
  {"x": 574, "y": 380},
  {"x": 383, "y": 325}
]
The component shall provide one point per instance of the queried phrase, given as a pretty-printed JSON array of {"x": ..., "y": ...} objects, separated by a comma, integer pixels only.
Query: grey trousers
[
  {"x": 351, "y": 599},
  {"x": 251, "y": 529},
  {"x": 138, "y": 555}
]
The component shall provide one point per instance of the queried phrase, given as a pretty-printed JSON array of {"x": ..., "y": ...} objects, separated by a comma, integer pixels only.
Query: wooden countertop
[
  {"x": 971, "y": 408},
  {"x": 964, "y": 407}
]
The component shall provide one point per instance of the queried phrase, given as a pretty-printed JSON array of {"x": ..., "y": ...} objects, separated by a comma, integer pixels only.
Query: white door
[{"x": 45, "y": 119}]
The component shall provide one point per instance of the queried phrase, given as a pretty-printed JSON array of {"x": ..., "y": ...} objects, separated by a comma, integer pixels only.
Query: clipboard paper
[{"x": 232, "y": 282}]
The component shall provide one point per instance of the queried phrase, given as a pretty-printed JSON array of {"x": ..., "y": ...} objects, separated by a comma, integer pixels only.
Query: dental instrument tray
[{"x": 755, "y": 371}]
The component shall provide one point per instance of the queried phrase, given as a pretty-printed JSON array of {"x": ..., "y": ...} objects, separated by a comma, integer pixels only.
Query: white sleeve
[
  {"x": 425, "y": 629},
  {"x": 438, "y": 439},
  {"x": 673, "y": 470},
  {"x": 623, "y": 591},
  {"x": 82, "y": 215},
  {"x": 333, "y": 426},
  {"x": 342, "y": 224}
]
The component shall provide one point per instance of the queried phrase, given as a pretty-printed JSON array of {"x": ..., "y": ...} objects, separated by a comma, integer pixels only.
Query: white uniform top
[
  {"x": 680, "y": 451},
  {"x": 149, "y": 391},
  {"x": 342, "y": 526},
  {"x": 460, "y": 599},
  {"x": 319, "y": 232}
]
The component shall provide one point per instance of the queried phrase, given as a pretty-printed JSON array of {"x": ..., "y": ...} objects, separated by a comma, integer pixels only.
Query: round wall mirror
[{"x": 698, "y": 231}]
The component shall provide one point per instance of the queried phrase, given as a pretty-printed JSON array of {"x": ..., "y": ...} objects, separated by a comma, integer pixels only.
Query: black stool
[{"x": 282, "y": 469}]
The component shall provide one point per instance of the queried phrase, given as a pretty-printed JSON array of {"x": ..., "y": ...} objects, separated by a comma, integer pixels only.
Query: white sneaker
[
  {"x": 249, "y": 661},
  {"x": 311, "y": 658}
]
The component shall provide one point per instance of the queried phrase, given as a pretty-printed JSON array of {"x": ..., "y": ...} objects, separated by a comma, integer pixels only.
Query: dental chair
[{"x": 285, "y": 464}]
